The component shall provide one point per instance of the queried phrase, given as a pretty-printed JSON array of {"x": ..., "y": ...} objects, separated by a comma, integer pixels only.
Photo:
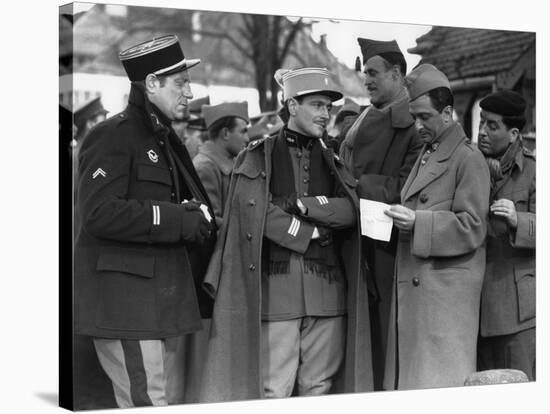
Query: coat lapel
[{"x": 419, "y": 177}]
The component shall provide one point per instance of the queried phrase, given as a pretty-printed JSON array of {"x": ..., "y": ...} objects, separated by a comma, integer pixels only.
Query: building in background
[{"x": 480, "y": 61}]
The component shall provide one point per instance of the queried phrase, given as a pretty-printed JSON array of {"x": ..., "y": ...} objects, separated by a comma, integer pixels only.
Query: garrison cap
[
  {"x": 505, "y": 103},
  {"x": 306, "y": 81},
  {"x": 160, "y": 56},
  {"x": 370, "y": 48},
  {"x": 423, "y": 79},
  {"x": 88, "y": 111},
  {"x": 213, "y": 113}
]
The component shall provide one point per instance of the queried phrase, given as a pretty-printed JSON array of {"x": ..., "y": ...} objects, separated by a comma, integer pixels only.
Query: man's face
[
  {"x": 428, "y": 121},
  {"x": 493, "y": 136},
  {"x": 237, "y": 137},
  {"x": 172, "y": 97},
  {"x": 310, "y": 117},
  {"x": 383, "y": 84}
]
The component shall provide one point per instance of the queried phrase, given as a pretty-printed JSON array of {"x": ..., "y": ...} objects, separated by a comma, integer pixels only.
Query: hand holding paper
[{"x": 374, "y": 222}]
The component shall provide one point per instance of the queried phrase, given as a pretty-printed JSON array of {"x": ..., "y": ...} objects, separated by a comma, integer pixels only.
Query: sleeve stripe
[
  {"x": 294, "y": 227},
  {"x": 322, "y": 200},
  {"x": 156, "y": 216}
]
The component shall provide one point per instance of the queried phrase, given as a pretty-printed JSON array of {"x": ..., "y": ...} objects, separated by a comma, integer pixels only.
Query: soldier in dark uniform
[
  {"x": 508, "y": 297},
  {"x": 145, "y": 229}
]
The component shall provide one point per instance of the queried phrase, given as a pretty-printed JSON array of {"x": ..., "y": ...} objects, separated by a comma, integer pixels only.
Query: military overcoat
[
  {"x": 439, "y": 268},
  {"x": 233, "y": 364}
]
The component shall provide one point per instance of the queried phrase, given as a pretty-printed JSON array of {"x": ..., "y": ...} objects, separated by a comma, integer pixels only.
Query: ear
[
  {"x": 292, "y": 106},
  {"x": 514, "y": 134},
  {"x": 151, "y": 83},
  {"x": 396, "y": 72},
  {"x": 447, "y": 113}
]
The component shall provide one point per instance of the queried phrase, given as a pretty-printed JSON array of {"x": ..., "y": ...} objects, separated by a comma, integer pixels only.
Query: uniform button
[
  {"x": 299, "y": 154},
  {"x": 306, "y": 167},
  {"x": 171, "y": 169},
  {"x": 263, "y": 174},
  {"x": 248, "y": 236},
  {"x": 423, "y": 197},
  {"x": 306, "y": 194},
  {"x": 306, "y": 180},
  {"x": 252, "y": 202},
  {"x": 161, "y": 143},
  {"x": 252, "y": 267},
  {"x": 173, "y": 195},
  {"x": 416, "y": 281},
  {"x": 423, "y": 162}
]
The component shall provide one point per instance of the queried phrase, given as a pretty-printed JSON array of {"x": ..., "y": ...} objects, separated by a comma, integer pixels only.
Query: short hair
[
  {"x": 228, "y": 122},
  {"x": 517, "y": 121},
  {"x": 395, "y": 58},
  {"x": 161, "y": 78},
  {"x": 441, "y": 98}
]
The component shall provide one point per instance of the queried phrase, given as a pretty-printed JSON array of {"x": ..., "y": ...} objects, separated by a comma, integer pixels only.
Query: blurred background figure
[
  {"x": 348, "y": 109},
  {"x": 227, "y": 125},
  {"x": 89, "y": 115}
]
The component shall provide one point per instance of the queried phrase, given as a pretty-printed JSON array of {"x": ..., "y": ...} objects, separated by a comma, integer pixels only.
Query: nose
[
  {"x": 187, "y": 91},
  {"x": 418, "y": 124}
]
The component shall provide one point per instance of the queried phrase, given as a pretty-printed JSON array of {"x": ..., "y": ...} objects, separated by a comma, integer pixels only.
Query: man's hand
[
  {"x": 403, "y": 217},
  {"x": 506, "y": 209}
]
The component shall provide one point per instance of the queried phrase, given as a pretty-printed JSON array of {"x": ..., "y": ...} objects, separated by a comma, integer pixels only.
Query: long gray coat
[
  {"x": 439, "y": 268},
  {"x": 233, "y": 363}
]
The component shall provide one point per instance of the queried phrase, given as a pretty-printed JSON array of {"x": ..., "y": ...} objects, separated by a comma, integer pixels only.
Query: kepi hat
[
  {"x": 423, "y": 79},
  {"x": 213, "y": 113},
  {"x": 159, "y": 56},
  {"x": 88, "y": 111},
  {"x": 306, "y": 81}
]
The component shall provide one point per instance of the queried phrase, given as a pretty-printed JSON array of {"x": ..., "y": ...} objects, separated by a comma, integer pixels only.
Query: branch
[
  {"x": 295, "y": 28},
  {"x": 229, "y": 38}
]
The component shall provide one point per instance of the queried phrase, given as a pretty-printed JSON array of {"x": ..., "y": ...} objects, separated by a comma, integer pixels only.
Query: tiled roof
[{"x": 465, "y": 53}]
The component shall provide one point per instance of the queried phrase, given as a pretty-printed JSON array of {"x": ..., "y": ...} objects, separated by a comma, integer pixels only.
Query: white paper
[{"x": 374, "y": 223}]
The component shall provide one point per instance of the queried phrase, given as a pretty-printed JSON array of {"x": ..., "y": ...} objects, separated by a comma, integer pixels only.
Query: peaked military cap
[
  {"x": 213, "y": 113},
  {"x": 370, "y": 48},
  {"x": 306, "y": 81},
  {"x": 160, "y": 56},
  {"x": 505, "y": 102},
  {"x": 87, "y": 111},
  {"x": 423, "y": 79}
]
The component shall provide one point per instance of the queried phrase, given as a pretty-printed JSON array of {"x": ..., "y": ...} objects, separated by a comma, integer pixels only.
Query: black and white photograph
[{"x": 295, "y": 208}]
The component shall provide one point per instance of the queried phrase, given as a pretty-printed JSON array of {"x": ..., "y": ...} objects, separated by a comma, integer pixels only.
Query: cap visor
[{"x": 178, "y": 67}]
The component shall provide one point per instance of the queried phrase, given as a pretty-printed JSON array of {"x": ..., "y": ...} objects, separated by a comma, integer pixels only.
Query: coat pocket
[
  {"x": 127, "y": 291},
  {"x": 131, "y": 262},
  {"x": 526, "y": 290},
  {"x": 153, "y": 173}
]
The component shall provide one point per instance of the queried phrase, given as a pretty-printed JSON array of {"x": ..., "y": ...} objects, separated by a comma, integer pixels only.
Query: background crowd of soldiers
[{"x": 220, "y": 258}]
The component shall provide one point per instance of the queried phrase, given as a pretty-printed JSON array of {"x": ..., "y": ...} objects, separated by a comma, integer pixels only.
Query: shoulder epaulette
[{"x": 256, "y": 143}]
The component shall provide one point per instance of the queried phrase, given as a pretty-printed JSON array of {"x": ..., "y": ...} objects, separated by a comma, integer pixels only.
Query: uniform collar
[
  {"x": 155, "y": 118},
  {"x": 446, "y": 143},
  {"x": 399, "y": 112},
  {"x": 217, "y": 154}
]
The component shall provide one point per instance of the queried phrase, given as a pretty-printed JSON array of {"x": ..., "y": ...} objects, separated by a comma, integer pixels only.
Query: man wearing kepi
[
  {"x": 227, "y": 125},
  {"x": 291, "y": 308},
  {"x": 440, "y": 255},
  {"x": 380, "y": 149},
  {"x": 508, "y": 296},
  {"x": 145, "y": 223}
]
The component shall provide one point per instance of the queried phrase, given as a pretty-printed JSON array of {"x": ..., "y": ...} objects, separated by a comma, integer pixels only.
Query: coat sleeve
[
  {"x": 385, "y": 188},
  {"x": 334, "y": 213},
  {"x": 212, "y": 182},
  {"x": 464, "y": 227},
  {"x": 104, "y": 177},
  {"x": 287, "y": 230},
  {"x": 525, "y": 234}
]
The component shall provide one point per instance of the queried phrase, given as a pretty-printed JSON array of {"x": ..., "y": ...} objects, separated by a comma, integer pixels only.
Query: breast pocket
[{"x": 153, "y": 183}]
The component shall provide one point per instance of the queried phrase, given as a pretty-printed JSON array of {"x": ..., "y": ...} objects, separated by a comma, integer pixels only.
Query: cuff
[
  {"x": 165, "y": 222},
  {"x": 422, "y": 234}
]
